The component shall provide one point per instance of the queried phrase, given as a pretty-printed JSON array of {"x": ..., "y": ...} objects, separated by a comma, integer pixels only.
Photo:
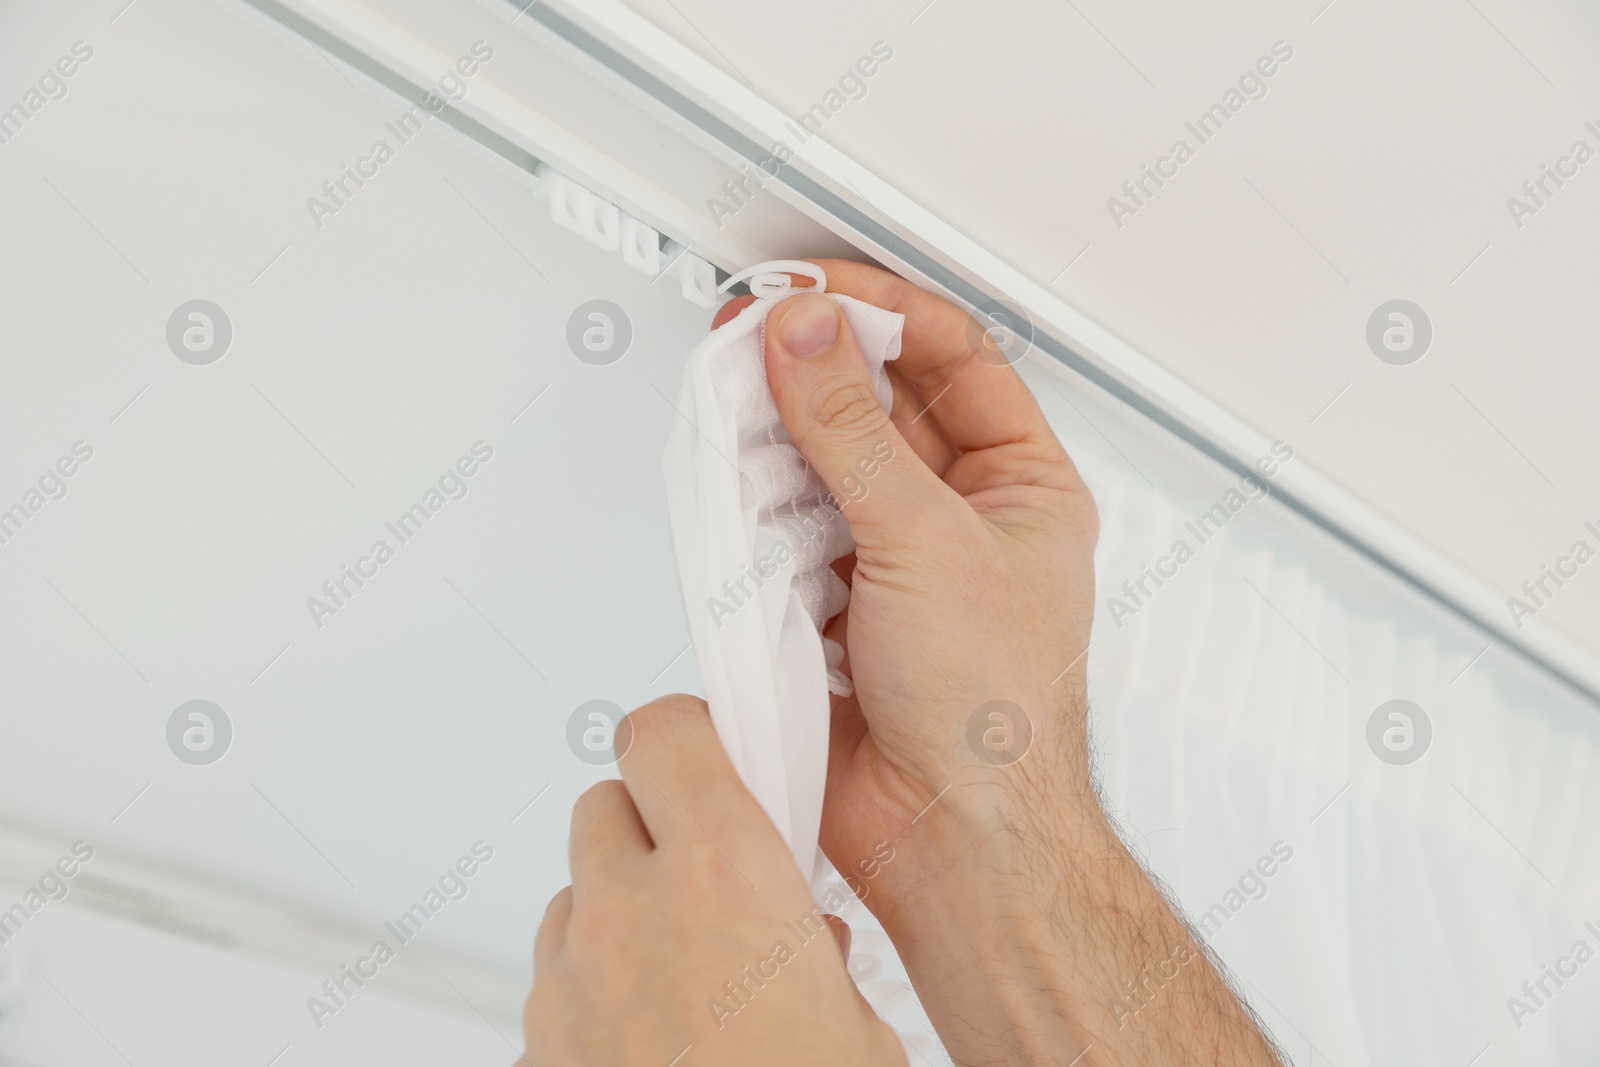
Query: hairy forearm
[{"x": 1034, "y": 937}]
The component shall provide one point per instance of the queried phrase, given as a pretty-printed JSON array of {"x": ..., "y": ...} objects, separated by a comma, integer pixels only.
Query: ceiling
[
  {"x": 369, "y": 354},
  {"x": 1368, "y": 169}
]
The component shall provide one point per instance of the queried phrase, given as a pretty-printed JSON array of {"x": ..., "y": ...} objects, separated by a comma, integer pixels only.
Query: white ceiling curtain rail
[
  {"x": 853, "y": 202},
  {"x": 733, "y": 123}
]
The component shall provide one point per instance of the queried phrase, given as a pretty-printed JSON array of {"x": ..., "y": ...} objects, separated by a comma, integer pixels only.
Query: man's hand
[
  {"x": 687, "y": 927},
  {"x": 1029, "y": 931},
  {"x": 973, "y": 576}
]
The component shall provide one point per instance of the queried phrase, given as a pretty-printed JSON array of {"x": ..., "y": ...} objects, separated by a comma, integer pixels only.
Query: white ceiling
[
  {"x": 364, "y": 362},
  {"x": 372, "y": 352},
  {"x": 1376, "y": 167}
]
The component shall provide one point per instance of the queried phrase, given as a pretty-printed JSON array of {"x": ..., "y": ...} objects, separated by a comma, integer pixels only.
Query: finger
[
  {"x": 552, "y": 935},
  {"x": 910, "y": 417},
  {"x": 978, "y": 404},
  {"x": 727, "y": 312},
  {"x": 606, "y": 832},
  {"x": 841, "y": 934},
  {"x": 847, "y": 729},
  {"x": 683, "y": 784},
  {"x": 845, "y": 568},
  {"x": 847, "y": 726},
  {"x": 827, "y": 400}
]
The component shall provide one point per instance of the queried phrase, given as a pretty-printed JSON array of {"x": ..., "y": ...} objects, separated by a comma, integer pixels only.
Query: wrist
[
  {"x": 1033, "y": 936},
  {"x": 991, "y": 852},
  {"x": 1026, "y": 772},
  {"x": 976, "y": 913}
]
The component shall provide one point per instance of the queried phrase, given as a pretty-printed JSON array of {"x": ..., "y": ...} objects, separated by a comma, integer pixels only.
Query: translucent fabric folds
[{"x": 754, "y": 530}]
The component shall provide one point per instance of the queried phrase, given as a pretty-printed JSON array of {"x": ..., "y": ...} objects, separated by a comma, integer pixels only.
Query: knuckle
[
  {"x": 602, "y": 796},
  {"x": 599, "y": 917},
  {"x": 545, "y": 1018},
  {"x": 848, "y": 407},
  {"x": 1086, "y": 517},
  {"x": 680, "y": 704},
  {"x": 559, "y": 904},
  {"x": 534, "y": 1012},
  {"x": 667, "y": 713},
  {"x": 707, "y": 872}
]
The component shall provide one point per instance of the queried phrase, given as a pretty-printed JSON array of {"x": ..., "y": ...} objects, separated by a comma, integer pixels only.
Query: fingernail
[
  {"x": 841, "y": 933},
  {"x": 809, "y": 325}
]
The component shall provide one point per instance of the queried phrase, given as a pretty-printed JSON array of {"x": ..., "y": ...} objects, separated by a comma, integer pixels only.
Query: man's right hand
[{"x": 1030, "y": 932}]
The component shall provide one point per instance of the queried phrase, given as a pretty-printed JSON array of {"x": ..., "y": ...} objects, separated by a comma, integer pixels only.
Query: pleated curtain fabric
[{"x": 754, "y": 532}]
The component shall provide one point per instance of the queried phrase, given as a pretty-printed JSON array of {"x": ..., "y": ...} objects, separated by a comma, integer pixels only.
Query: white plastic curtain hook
[{"x": 771, "y": 278}]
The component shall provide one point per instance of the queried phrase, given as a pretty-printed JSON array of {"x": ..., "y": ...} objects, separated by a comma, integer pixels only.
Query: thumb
[
  {"x": 841, "y": 934},
  {"x": 826, "y": 398}
]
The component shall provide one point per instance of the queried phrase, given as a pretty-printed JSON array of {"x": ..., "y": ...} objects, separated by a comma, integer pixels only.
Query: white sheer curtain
[{"x": 1230, "y": 713}]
